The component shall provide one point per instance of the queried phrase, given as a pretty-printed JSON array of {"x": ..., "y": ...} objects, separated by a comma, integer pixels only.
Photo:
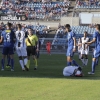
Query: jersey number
[{"x": 8, "y": 37}]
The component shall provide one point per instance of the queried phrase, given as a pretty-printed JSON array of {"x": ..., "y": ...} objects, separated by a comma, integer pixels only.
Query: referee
[{"x": 31, "y": 42}]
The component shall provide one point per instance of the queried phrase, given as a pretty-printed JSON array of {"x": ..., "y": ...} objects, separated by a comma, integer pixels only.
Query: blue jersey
[
  {"x": 96, "y": 35},
  {"x": 8, "y": 38},
  {"x": 70, "y": 37}
]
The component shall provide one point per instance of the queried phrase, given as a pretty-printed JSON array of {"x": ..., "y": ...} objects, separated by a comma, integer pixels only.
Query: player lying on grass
[{"x": 72, "y": 71}]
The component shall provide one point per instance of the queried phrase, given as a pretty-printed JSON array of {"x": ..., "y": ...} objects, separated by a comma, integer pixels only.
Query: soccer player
[
  {"x": 72, "y": 71},
  {"x": 96, "y": 52},
  {"x": 7, "y": 36},
  {"x": 85, "y": 49},
  {"x": 21, "y": 47},
  {"x": 79, "y": 48},
  {"x": 48, "y": 47},
  {"x": 31, "y": 43},
  {"x": 71, "y": 46}
]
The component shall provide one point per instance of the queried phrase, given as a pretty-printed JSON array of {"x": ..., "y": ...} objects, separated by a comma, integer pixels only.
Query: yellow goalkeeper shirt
[{"x": 33, "y": 39}]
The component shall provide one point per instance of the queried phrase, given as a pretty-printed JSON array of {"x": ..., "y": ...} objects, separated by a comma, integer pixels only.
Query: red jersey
[{"x": 48, "y": 45}]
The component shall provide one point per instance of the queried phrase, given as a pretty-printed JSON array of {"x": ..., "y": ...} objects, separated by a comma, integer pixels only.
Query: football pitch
[{"x": 48, "y": 83}]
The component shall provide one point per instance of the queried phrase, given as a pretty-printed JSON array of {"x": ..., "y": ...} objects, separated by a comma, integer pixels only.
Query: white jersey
[
  {"x": 20, "y": 43},
  {"x": 69, "y": 70},
  {"x": 20, "y": 37},
  {"x": 83, "y": 41},
  {"x": 79, "y": 47}
]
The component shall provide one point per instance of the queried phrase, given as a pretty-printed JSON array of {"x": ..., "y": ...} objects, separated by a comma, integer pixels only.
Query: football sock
[
  {"x": 83, "y": 61},
  {"x": 2, "y": 63},
  {"x": 8, "y": 59},
  {"x": 74, "y": 63},
  {"x": 25, "y": 61},
  {"x": 68, "y": 63},
  {"x": 21, "y": 63},
  {"x": 28, "y": 63},
  {"x": 86, "y": 61},
  {"x": 35, "y": 61},
  {"x": 97, "y": 60},
  {"x": 12, "y": 63},
  {"x": 93, "y": 66}
]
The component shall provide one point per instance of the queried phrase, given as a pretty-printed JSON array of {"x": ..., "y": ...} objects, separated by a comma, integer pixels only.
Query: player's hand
[{"x": 74, "y": 49}]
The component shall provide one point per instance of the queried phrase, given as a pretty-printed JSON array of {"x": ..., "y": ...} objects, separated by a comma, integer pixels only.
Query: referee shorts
[{"x": 31, "y": 50}]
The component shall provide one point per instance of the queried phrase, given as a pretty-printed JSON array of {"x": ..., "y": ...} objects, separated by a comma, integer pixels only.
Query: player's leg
[
  {"x": 86, "y": 60},
  {"x": 96, "y": 54},
  {"x": 97, "y": 60},
  {"x": 34, "y": 57},
  {"x": 8, "y": 62},
  {"x": 24, "y": 54},
  {"x": 82, "y": 57},
  {"x": 28, "y": 54},
  {"x": 70, "y": 60},
  {"x": 4, "y": 53},
  {"x": 18, "y": 50}
]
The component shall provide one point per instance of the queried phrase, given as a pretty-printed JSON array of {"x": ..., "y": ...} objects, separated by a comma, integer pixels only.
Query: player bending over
[
  {"x": 72, "y": 71},
  {"x": 21, "y": 47},
  {"x": 7, "y": 36},
  {"x": 96, "y": 52},
  {"x": 71, "y": 46},
  {"x": 31, "y": 43},
  {"x": 85, "y": 49}
]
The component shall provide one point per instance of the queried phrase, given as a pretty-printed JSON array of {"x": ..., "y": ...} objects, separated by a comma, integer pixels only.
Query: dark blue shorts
[{"x": 8, "y": 50}]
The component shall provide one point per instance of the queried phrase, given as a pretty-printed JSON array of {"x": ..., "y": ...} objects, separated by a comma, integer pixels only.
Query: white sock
[
  {"x": 21, "y": 63},
  {"x": 79, "y": 56},
  {"x": 25, "y": 61},
  {"x": 86, "y": 61},
  {"x": 83, "y": 61}
]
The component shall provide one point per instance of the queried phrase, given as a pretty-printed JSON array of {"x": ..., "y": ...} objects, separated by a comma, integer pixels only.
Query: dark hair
[
  {"x": 98, "y": 26},
  {"x": 86, "y": 32},
  {"x": 67, "y": 26},
  {"x": 9, "y": 24},
  {"x": 19, "y": 26}
]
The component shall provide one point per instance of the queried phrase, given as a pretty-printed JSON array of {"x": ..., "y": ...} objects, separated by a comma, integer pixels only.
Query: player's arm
[
  {"x": 74, "y": 43},
  {"x": 1, "y": 38},
  {"x": 92, "y": 41},
  {"x": 37, "y": 43}
]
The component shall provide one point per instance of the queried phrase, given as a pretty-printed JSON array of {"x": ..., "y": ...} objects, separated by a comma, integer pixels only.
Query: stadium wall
[
  {"x": 96, "y": 20},
  {"x": 73, "y": 21}
]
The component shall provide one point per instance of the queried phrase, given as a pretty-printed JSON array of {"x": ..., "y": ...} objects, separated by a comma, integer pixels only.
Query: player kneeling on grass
[
  {"x": 31, "y": 43},
  {"x": 21, "y": 47},
  {"x": 72, "y": 71}
]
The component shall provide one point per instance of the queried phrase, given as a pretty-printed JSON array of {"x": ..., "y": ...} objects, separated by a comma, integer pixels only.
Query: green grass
[{"x": 48, "y": 83}]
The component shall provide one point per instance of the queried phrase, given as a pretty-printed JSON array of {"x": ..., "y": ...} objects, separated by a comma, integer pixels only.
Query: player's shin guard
[
  {"x": 8, "y": 59},
  {"x": 21, "y": 63},
  {"x": 97, "y": 60},
  {"x": 68, "y": 63},
  {"x": 74, "y": 63},
  {"x": 28, "y": 64},
  {"x": 12, "y": 63},
  {"x": 93, "y": 66},
  {"x": 35, "y": 60},
  {"x": 86, "y": 61},
  {"x": 2, "y": 63},
  {"x": 25, "y": 61}
]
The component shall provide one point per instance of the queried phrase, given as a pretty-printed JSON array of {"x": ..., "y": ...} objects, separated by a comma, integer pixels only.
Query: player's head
[
  {"x": 67, "y": 26},
  {"x": 19, "y": 26},
  {"x": 30, "y": 31},
  {"x": 97, "y": 27},
  {"x": 85, "y": 34},
  {"x": 78, "y": 74},
  {"x": 9, "y": 25}
]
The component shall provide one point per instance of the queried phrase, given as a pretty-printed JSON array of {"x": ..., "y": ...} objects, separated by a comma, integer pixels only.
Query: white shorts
[
  {"x": 86, "y": 51},
  {"x": 21, "y": 51}
]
